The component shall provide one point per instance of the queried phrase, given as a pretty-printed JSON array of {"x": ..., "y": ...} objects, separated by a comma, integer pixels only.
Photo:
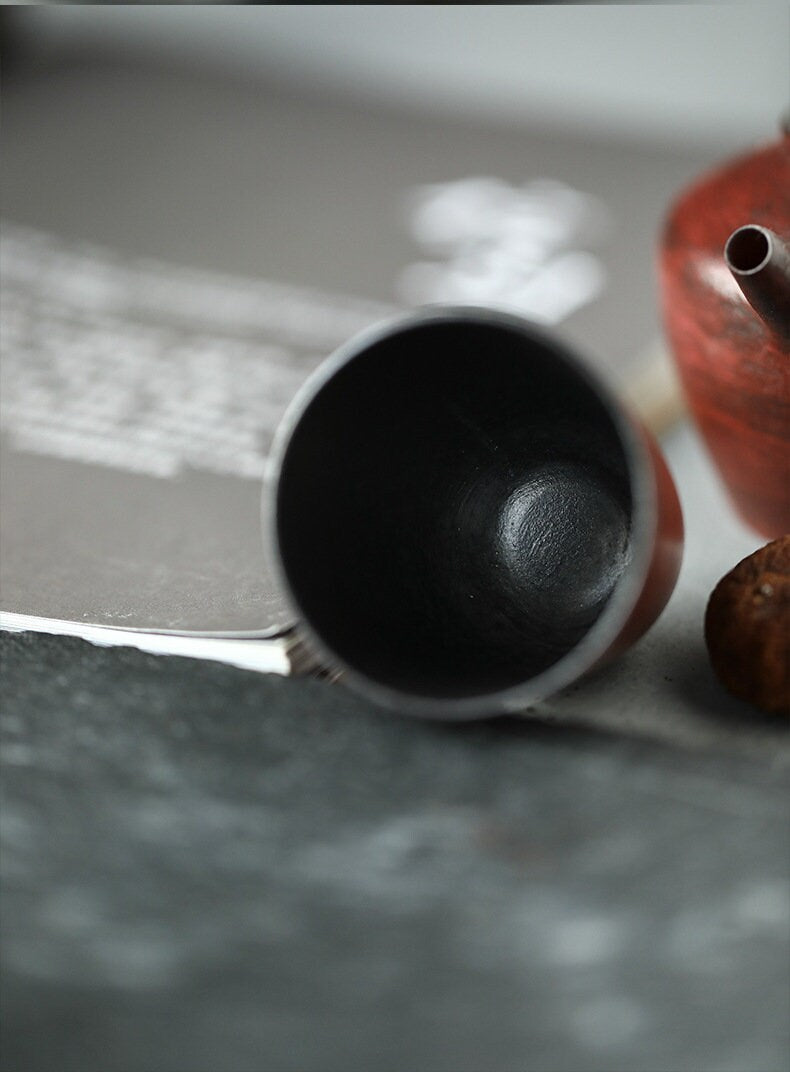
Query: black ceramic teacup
[{"x": 462, "y": 517}]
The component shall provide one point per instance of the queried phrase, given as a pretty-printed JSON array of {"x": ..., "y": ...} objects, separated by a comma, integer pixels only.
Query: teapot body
[{"x": 734, "y": 365}]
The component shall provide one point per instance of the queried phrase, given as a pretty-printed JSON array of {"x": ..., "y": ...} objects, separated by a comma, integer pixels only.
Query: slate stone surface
[{"x": 209, "y": 869}]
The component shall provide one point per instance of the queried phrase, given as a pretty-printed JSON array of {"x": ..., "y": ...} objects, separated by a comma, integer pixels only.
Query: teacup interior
[{"x": 454, "y": 509}]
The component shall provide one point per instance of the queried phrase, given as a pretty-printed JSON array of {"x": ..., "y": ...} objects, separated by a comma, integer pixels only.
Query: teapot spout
[{"x": 759, "y": 259}]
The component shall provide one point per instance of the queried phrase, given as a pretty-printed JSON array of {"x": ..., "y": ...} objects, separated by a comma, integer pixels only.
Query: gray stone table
[{"x": 210, "y": 869}]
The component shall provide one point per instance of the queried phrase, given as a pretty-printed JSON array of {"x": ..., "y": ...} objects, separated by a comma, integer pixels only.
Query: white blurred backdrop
[{"x": 686, "y": 73}]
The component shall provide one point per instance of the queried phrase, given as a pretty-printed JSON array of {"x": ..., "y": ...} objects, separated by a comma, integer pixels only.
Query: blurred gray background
[
  {"x": 682, "y": 72},
  {"x": 285, "y": 141}
]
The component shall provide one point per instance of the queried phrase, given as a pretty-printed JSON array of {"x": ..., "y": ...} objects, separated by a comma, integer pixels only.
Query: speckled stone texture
[{"x": 209, "y": 869}]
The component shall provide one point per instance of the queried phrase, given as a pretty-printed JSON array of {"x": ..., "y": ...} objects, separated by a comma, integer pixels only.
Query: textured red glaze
[
  {"x": 666, "y": 558},
  {"x": 734, "y": 367}
]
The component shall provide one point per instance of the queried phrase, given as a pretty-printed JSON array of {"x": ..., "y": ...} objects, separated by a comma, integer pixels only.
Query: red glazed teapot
[{"x": 725, "y": 280}]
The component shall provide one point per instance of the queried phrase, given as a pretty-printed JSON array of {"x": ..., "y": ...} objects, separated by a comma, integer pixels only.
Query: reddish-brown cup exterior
[
  {"x": 734, "y": 367},
  {"x": 667, "y": 554}
]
